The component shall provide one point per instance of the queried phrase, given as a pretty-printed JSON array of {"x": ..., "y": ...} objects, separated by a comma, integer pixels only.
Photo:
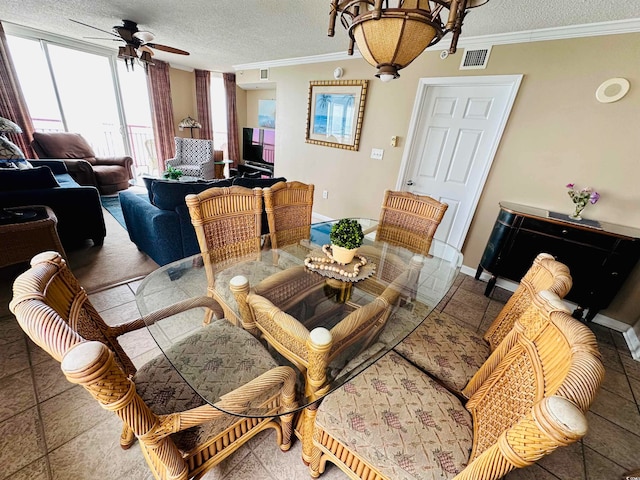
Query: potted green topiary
[
  {"x": 346, "y": 236},
  {"x": 173, "y": 173}
]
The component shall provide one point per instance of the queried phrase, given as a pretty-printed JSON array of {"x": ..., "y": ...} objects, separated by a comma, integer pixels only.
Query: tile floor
[{"x": 52, "y": 430}]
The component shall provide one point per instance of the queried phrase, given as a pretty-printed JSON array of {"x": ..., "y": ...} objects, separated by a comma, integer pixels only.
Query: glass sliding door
[
  {"x": 35, "y": 80},
  {"x": 89, "y": 93},
  {"x": 219, "y": 113},
  {"x": 86, "y": 90},
  {"x": 137, "y": 114}
]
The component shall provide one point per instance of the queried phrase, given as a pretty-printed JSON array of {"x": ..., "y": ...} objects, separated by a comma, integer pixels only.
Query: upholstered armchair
[
  {"x": 108, "y": 174},
  {"x": 195, "y": 157}
]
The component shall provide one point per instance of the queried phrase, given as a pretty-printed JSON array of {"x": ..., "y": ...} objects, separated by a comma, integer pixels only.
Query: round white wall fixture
[
  {"x": 612, "y": 90},
  {"x": 337, "y": 73},
  {"x": 444, "y": 54}
]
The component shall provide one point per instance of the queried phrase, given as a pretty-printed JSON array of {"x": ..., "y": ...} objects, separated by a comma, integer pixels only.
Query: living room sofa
[
  {"x": 160, "y": 224},
  {"x": 77, "y": 207}
]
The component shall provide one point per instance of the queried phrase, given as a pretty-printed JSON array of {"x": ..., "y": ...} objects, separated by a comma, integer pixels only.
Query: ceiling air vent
[{"x": 475, "y": 59}]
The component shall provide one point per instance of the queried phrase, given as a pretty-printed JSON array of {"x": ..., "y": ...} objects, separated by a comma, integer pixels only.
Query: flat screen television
[{"x": 258, "y": 145}]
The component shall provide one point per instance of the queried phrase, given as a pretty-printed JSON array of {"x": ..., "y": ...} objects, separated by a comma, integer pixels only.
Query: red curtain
[
  {"x": 232, "y": 117},
  {"x": 203, "y": 103},
  {"x": 12, "y": 103},
  {"x": 161, "y": 111}
]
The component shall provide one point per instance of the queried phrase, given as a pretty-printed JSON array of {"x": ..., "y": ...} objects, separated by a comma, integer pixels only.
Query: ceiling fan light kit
[
  {"x": 135, "y": 40},
  {"x": 390, "y": 34}
]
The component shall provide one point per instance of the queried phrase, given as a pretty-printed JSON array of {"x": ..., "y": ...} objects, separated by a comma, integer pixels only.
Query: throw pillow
[
  {"x": 28, "y": 179},
  {"x": 167, "y": 195},
  {"x": 9, "y": 150}
]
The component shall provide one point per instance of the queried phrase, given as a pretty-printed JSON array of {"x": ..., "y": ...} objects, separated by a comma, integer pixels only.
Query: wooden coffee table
[{"x": 30, "y": 230}]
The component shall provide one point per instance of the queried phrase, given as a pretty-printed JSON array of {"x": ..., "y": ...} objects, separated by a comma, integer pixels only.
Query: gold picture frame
[{"x": 334, "y": 113}]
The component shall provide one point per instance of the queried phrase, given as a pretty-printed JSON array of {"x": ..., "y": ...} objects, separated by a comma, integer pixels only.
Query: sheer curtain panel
[
  {"x": 161, "y": 111},
  {"x": 203, "y": 103},
  {"x": 12, "y": 103}
]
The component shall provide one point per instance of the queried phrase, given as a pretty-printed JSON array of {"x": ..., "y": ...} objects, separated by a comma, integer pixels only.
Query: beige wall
[
  {"x": 183, "y": 98},
  {"x": 557, "y": 133}
]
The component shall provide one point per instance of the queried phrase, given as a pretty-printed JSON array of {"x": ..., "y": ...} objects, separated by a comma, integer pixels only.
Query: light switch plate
[{"x": 377, "y": 153}]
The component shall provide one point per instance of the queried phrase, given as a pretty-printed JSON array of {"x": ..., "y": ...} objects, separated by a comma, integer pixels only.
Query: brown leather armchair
[{"x": 108, "y": 174}]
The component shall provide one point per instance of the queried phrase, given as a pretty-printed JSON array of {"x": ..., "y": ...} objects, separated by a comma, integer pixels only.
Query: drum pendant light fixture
[{"x": 390, "y": 34}]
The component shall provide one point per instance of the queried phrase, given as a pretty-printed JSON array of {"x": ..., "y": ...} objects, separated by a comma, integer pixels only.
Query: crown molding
[
  {"x": 554, "y": 33},
  {"x": 288, "y": 62}
]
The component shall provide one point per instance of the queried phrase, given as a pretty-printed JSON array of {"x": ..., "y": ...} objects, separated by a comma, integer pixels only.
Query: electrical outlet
[
  {"x": 325, "y": 194},
  {"x": 377, "y": 153}
]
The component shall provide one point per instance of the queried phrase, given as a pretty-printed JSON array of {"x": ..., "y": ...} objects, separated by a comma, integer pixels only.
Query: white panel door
[{"x": 453, "y": 136}]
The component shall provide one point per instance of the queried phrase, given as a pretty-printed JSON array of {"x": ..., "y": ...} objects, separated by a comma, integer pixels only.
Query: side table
[
  {"x": 32, "y": 231},
  {"x": 600, "y": 255}
]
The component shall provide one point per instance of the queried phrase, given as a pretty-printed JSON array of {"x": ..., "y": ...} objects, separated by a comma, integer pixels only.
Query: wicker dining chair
[
  {"x": 318, "y": 352},
  {"x": 180, "y": 435},
  {"x": 454, "y": 353},
  {"x": 394, "y": 421},
  {"x": 289, "y": 206},
  {"x": 228, "y": 222},
  {"x": 409, "y": 220}
]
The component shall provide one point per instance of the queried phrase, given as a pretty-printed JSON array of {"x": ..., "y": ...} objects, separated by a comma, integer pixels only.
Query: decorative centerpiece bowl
[{"x": 346, "y": 236}]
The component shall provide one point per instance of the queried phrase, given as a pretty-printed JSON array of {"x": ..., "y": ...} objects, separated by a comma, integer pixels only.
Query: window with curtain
[
  {"x": 219, "y": 113},
  {"x": 72, "y": 90}
]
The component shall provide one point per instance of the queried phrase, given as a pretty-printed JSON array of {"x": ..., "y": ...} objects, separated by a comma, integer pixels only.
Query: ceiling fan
[{"x": 135, "y": 40}]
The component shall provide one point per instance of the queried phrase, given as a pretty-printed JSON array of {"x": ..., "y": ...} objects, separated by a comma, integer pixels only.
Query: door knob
[{"x": 409, "y": 182}]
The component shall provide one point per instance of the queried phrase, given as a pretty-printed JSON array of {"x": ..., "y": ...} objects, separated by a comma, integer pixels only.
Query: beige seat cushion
[
  {"x": 400, "y": 421},
  {"x": 445, "y": 349},
  {"x": 239, "y": 359}
]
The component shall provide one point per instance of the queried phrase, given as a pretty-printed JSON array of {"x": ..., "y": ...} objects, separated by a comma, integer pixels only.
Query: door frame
[{"x": 424, "y": 84}]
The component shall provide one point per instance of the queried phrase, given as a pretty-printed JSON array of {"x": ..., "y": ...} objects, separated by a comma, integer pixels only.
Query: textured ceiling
[{"x": 220, "y": 34}]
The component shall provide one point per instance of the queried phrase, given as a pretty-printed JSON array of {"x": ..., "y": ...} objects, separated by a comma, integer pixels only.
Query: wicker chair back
[
  {"x": 550, "y": 354},
  {"x": 289, "y": 206},
  {"x": 51, "y": 281},
  {"x": 227, "y": 221},
  {"x": 545, "y": 273},
  {"x": 409, "y": 220}
]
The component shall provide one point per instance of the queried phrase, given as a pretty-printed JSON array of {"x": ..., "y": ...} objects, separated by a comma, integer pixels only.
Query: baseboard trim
[{"x": 630, "y": 334}]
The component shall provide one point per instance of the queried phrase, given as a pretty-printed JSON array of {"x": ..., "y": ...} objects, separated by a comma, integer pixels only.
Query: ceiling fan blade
[
  {"x": 95, "y": 28},
  {"x": 165, "y": 48}
]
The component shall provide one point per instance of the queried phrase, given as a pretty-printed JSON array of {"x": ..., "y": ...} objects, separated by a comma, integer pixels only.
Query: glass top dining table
[{"x": 428, "y": 278}]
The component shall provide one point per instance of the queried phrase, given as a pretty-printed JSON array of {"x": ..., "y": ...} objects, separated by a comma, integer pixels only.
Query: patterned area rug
[{"x": 112, "y": 205}]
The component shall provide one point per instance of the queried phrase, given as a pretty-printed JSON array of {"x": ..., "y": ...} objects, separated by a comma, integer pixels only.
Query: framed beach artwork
[
  {"x": 335, "y": 112},
  {"x": 267, "y": 113}
]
